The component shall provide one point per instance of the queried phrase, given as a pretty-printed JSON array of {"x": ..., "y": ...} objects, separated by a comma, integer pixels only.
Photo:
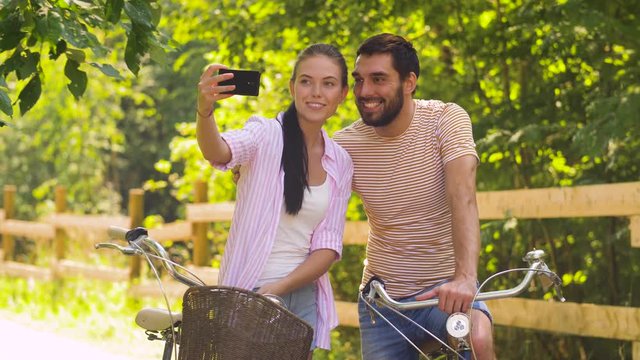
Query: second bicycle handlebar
[
  {"x": 537, "y": 266},
  {"x": 139, "y": 238}
]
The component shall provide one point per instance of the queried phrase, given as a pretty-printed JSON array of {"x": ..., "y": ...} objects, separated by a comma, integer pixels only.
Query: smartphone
[{"x": 247, "y": 82}]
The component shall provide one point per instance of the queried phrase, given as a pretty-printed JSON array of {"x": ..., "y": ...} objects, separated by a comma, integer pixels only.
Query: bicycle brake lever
[
  {"x": 545, "y": 281},
  {"x": 545, "y": 277},
  {"x": 558, "y": 288},
  {"x": 369, "y": 298},
  {"x": 123, "y": 249},
  {"x": 548, "y": 279}
]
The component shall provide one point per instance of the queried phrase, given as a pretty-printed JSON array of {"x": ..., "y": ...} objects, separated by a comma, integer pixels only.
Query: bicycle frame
[{"x": 458, "y": 324}]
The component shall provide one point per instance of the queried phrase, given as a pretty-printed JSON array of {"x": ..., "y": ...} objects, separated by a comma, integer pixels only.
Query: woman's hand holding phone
[
  {"x": 211, "y": 90},
  {"x": 219, "y": 82}
]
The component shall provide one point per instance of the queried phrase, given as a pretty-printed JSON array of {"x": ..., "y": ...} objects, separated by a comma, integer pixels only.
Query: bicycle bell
[{"x": 458, "y": 329}]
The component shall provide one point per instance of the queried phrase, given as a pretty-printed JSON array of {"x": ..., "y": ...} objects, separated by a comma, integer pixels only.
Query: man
[{"x": 414, "y": 169}]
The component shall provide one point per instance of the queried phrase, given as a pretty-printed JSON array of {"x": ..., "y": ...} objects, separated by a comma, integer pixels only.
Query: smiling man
[{"x": 414, "y": 169}]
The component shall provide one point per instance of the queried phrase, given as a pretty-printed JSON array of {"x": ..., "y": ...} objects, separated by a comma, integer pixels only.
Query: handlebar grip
[{"x": 117, "y": 233}]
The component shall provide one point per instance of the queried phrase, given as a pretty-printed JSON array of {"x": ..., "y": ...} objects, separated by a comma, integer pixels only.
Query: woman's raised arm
[{"x": 211, "y": 143}]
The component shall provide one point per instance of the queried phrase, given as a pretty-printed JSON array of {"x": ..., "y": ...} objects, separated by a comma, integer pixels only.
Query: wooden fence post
[
  {"x": 634, "y": 229},
  {"x": 201, "y": 254},
  {"x": 59, "y": 245},
  {"x": 8, "y": 243},
  {"x": 136, "y": 214}
]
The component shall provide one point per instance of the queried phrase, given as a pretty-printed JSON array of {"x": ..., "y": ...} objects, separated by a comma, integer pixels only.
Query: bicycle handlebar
[
  {"x": 537, "y": 266},
  {"x": 139, "y": 237},
  {"x": 117, "y": 233}
]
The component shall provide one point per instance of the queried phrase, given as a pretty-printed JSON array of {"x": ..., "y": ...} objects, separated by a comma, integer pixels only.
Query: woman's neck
[{"x": 312, "y": 135}]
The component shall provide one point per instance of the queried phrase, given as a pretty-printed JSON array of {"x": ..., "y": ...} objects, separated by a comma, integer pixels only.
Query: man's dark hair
[{"x": 405, "y": 57}]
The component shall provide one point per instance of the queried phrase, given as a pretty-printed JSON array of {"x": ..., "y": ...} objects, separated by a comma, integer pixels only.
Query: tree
[{"x": 34, "y": 31}]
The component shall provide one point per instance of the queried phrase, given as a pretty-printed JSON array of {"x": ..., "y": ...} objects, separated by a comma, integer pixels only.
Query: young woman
[{"x": 293, "y": 190}]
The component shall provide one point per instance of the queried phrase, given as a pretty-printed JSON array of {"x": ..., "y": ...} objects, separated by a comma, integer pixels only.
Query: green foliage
[
  {"x": 345, "y": 345},
  {"x": 65, "y": 142},
  {"x": 34, "y": 30}
]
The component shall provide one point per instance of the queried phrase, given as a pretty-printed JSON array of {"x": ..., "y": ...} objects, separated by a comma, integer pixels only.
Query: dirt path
[{"x": 24, "y": 339}]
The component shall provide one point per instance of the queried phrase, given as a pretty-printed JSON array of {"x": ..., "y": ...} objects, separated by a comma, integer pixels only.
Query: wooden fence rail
[{"x": 609, "y": 200}]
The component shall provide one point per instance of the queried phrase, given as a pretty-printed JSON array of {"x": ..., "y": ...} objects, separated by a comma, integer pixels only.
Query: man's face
[{"x": 377, "y": 89}]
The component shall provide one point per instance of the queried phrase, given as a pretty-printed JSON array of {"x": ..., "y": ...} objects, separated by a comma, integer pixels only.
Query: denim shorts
[
  {"x": 302, "y": 303},
  {"x": 380, "y": 341}
]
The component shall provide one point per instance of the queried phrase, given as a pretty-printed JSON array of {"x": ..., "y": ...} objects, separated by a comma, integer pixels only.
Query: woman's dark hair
[
  {"x": 404, "y": 55},
  {"x": 294, "y": 152}
]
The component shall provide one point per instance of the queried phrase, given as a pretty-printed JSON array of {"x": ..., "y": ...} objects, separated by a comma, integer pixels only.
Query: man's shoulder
[
  {"x": 349, "y": 132},
  {"x": 435, "y": 109},
  {"x": 431, "y": 105}
]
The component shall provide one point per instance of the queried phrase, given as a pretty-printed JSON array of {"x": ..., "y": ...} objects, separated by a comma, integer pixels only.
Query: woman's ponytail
[{"x": 294, "y": 161}]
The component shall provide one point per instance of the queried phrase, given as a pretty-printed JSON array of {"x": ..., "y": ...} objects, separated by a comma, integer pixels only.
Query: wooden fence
[{"x": 581, "y": 319}]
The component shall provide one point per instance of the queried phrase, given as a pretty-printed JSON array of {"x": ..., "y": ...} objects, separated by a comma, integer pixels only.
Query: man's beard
[{"x": 391, "y": 110}]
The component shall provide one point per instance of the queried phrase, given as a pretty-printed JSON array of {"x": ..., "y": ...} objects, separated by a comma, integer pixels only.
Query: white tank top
[{"x": 293, "y": 236}]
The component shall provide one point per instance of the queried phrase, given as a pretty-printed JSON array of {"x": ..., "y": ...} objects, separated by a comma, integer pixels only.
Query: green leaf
[
  {"x": 134, "y": 50},
  {"x": 163, "y": 166},
  {"x": 108, "y": 70},
  {"x": 486, "y": 17},
  {"x": 28, "y": 64},
  {"x": 60, "y": 48},
  {"x": 76, "y": 55},
  {"x": 78, "y": 78},
  {"x": 30, "y": 94},
  {"x": 158, "y": 54},
  {"x": 84, "y": 4},
  {"x": 75, "y": 33},
  {"x": 156, "y": 14},
  {"x": 5, "y": 101},
  {"x": 139, "y": 12},
  {"x": 113, "y": 10},
  {"x": 49, "y": 25},
  {"x": 10, "y": 30},
  {"x": 32, "y": 40}
]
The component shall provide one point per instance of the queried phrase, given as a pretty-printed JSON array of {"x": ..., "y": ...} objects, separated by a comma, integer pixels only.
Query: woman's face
[{"x": 316, "y": 89}]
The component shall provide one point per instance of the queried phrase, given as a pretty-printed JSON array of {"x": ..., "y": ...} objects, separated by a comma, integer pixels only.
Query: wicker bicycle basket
[{"x": 226, "y": 323}]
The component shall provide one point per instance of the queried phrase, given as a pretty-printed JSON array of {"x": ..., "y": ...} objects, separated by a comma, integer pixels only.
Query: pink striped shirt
[{"x": 258, "y": 148}]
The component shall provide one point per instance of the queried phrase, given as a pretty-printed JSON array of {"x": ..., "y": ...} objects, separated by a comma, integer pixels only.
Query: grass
[{"x": 93, "y": 311}]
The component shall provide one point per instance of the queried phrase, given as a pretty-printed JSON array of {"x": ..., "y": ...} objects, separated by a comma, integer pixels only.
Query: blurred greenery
[{"x": 552, "y": 87}]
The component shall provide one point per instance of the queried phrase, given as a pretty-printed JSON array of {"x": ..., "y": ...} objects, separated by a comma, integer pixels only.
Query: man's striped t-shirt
[{"x": 402, "y": 186}]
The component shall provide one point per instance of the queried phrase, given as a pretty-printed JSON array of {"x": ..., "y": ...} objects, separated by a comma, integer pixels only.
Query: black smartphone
[{"x": 247, "y": 82}]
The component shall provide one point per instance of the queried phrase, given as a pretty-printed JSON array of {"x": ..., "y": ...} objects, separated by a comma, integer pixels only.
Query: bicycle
[
  {"x": 217, "y": 322},
  {"x": 458, "y": 325}
]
